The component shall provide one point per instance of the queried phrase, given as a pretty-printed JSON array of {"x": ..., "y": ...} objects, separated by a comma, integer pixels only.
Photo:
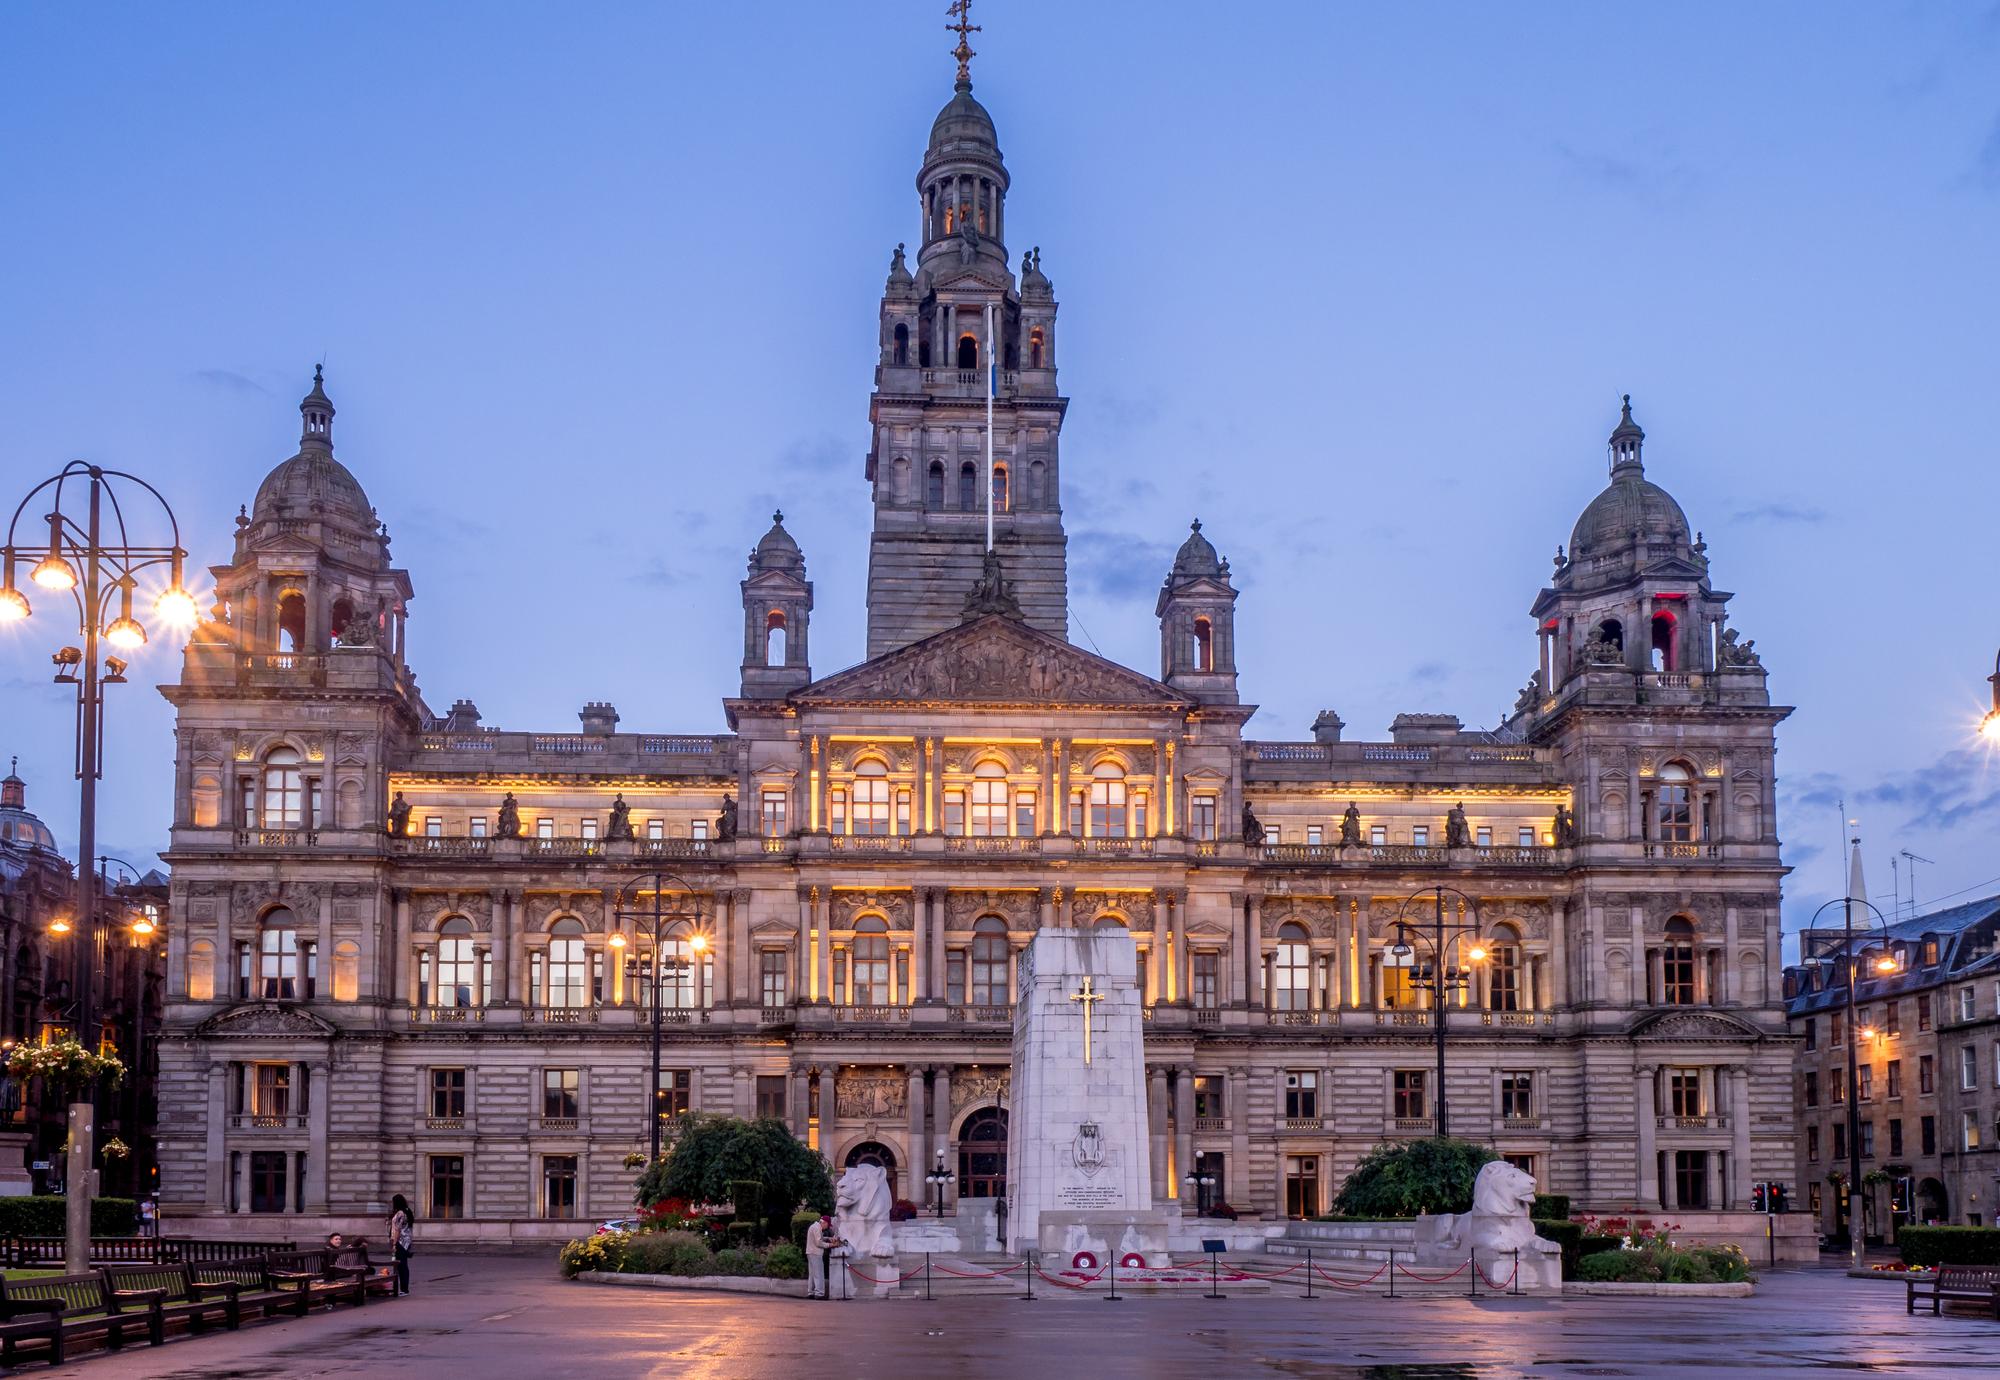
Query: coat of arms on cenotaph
[{"x": 1087, "y": 1151}]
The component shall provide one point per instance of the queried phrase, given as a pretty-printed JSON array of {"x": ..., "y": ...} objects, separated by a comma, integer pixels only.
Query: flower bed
[
  {"x": 681, "y": 1253},
  {"x": 1648, "y": 1254}
]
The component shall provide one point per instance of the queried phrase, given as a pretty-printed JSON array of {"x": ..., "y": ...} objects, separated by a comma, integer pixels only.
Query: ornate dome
[
  {"x": 963, "y": 121},
  {"x": 1632, "y": 508},
  {"x": 777, "y": 550},
  {"x": 19, "y": 828},
  {"x": 1196, "y": 556},
  {"x": 312, "y": 484}
]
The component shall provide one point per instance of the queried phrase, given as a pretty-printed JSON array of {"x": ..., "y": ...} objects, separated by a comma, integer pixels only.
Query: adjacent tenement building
[{"x": 405, "y": 958}]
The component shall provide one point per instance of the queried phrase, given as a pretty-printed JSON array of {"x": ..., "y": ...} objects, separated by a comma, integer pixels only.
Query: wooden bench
[
  {"x": 55, "y": 1309},
  {"x": 1972, "y": 1283},
  {"x": 352, "y": 1262},
  {"x": 187, "y": 1299},
  {"x": 312, "y": 1274},
  {"x": 254, "y": 1286}
]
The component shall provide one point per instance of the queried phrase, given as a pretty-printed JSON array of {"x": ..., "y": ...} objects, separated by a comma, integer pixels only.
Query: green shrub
[
  {"x": 743, "y": 1236},
  {"x": 1659, "y": 1263},
  {"x": 801, "y": 1224},
  {"x": 667, "y": 1253},
  {"x": 1550, "y": 1207},
  {"x": 711, "y": 1154},
  {"x": 1568, "y": 1235},
  {"x": 605, "y": 1251},
  {"x": 1594, "y": 1245},
  {"x": 785, "y": 1262},
  {"x": 1949, "y": 1245},
  {"x": 44, "y": 1215},
  {"x": 747, "y": 1197},
  {"x": 1416, "y": 1177},
  {"x": 736, "y": 1262}
]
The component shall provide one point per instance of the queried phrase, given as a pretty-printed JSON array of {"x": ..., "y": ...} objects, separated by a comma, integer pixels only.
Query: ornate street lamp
[
  {"x": 1201, "y": 1181},
  {"x": 1990, "y": 725},
  {"x": 93, "y": 566},
  {"x": 1436, "y": 977},
  {"x": 1886, "y": 966},
  {"x": 652, "y": 968},
  {"x": 940, "y": 1179}
]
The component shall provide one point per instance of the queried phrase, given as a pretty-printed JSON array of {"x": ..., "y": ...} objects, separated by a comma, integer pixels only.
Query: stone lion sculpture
[
  {"x": 861, "y": 1204},
  {"x": 1498, "y": 1226}
]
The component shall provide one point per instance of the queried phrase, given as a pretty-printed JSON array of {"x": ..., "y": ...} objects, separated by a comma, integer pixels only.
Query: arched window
[
  {"x": 999, "y": 488},
  {"x": 1107, "y": 801},
  {"x": 278, "y": 957},
  {"x": 1204, "y": 645},
  {"x": 346, "y": 971},
  {"x": 291, "y": 621},
  {"x": 677, "y": 970},
  {"x": 201, "y": 971},
  {"x": 774, "y": 638},
  {"x": 566, "y": 982},
  {"x": 339, "y": 617},
  {"x": 1035, "y": 348},
  {"x": 968, "y": 352},
  {"x": 934, "y": 487},
  {"x": 989, "y": 961},
  {"x": 1503, "y": 966},
  {"x": 1612, "y": 631},
  {"x": 869, "y": 959},
  {"x": 879, "y": 1155},
  {"x": 1677, "y": 963},
  {"x": 968, "y": 488},
  {"x": 982, "y": 1154},
  {"x": 1038, "y": 484},
  {"x": 457, "y": 964},
  {"x": 1673, "y": 804},
  {"x": 902, "y": 355},
  {"x": 899, "y": 480},
  {"x": 989, "y": 800},
  {"x": 1663, "y": 641},
  {"x": 1291, "y": 970},
  {"x": 871, "y": 798},
  {"x": 284, "y": 790},
  {"x": 1112, "y": 922}
]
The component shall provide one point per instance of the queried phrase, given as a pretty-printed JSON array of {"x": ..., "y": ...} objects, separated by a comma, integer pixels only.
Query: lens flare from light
[
  {"x": 126, "y": 634},
  {"x": 177, "y": 607},
  {"x": 13, "y": 605}
]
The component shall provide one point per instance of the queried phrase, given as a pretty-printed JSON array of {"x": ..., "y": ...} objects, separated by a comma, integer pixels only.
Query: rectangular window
[
  {"x": 698, "y": 828},
  {"x": 771, "y": 977},
  {"x": 1139, "y": 815},
  {"x": 589, "y": 826},
  {"x": 1420, "y": 835},
  {"x": 1301, "y": 1094},
  {"x": 1483, "y": 836},
  {"x": 771, "y": 1096},
  {"x": 433, "y": 826},
  {"x": 1526, "y": 838},
  {"x": 1024, "y": 814},
  {"x": 1201, "y": 824},
  {"x": 447, "y": 1200},
  {"x": 1272, "y": 834},
  {"x": 1923, "y": 1011},
  {"x": 1996, "y": 1063},
  {"x": 1315, "y": 834},
  {"x": 448, "y": 1093},
  {"x": 1895, "y": 1136},
  {"x": 1812, "y": 1032},
  {"x": 1812, "y": 1145},
  {"x": 1836, "y": 1026},
  {"x": 559, "y": 1186},
  {"x": 476, "y": 826},
  {"x": 954, "y": 977},
  {"x": 1517, "y": 1095},
  {"x": 1968, "y": 1002},
  {"x": 1684, "y": 1091},
  {"x": 1811, "y": 1094},
  {"x": 1864, "y": 1085},
  {"x": 1969, "y": 1131},
  {"x": 271, "y": 1092},
  {"x": 1840, "y": 1140},
  {"x": 1207, "y": 992},
  {"x": 1926, "y": 1074},
  {"x": 1968, "y": 1068},
  {"x": 545, "y": 827},
  {"x": 1409, "y": 1089},
  {"x": 1894, "y": 1076},
  {"x": 954, "y": 813},
  {"x": 1302, "y": 1186},
  {"x": 562, "y": 1091},
  {"x": 1867, "y": 1140},
  {"x": 1836, "y": 1080},
  {"x": 1691, "y": 1178},
  {"x": 903, "y": 813},
  {"x": 1208, "y": 1098},
  {"x": 267, "y": 1180},
  {"x": 1927, "y": 1135},
  {"x": 656, "y": 829},
  {"x": 1076, "y": 803},
  {"x": 1378, "y": 835},
  {"x": 246, "y": 800},
  {"x": 1892, "y": 1018}
]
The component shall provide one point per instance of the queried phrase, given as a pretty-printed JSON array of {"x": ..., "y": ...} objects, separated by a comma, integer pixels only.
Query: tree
[
  {"x": 1421, "y": 1176},
  {"x": 710, "y": 1154}
]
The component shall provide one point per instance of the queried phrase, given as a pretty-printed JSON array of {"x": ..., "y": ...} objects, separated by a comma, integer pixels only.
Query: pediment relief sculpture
[
  {"x": 992, "y": 660},
  {"x": 265, "y": 1019}
]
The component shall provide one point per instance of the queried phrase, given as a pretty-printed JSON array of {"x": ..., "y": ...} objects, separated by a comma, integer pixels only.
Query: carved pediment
[
  {"x": 1706, "y": 1027},
  {"x": 992, "y": 660},
  {"x": 266, "y": 1019}
]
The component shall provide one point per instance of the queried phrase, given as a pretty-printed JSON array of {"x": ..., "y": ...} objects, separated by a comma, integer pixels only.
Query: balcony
[
  {"x": 992, "y": 1015},
  {"x": 1412, "y": 1125},
  {"x": 448, "y": 1015},
  {"x": 1207, "y": 1015},
  {"x": 1692, "y": 1123},
  {"x": 563, "y": 848},
  {"x": 1524, "y": 1020},
  {"x": 560, "y": 1015},
  {"x": 867, "y": 843},
  {"x": 1683, "y": 852},
  {"x": 1405, "y": 854},
  {"x": 1521, "y": 1121},
  {"x": 280, "y": 668},
  {"x": 872, "y": 1015},
  {"x": 563, "y": 1125},
  {"x": 1117, "y": 848},
  {"x": 277, "y": 838},
  {"x": 954, "y": 844},
  {"x": 680, "y": 848},
  {"x": 1301, "y": 1123},
  {"x": 442, "y": 847},
  {"x": 1211, "y": 1123},
  {"x": 775, "y": 1015},
  {"x": 1304, "y": 1018},
  {"x": 263, "y": 1121},
  {"x": 1414, "y": 1016},
  {"x": 450, "y": 1125}
]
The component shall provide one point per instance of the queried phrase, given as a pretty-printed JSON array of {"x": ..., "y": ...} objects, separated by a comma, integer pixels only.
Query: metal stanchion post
[
  {"x": 1516, "y": 1283},
  {"x": 1028, "y": 1274},
  {"x": 927, "y": 1278},
  {"x": 1112, "y": 1297},
  {"x": 1392, "y": 1272},
  {"x": 1309, "y": 1272},
  {"x": 1472, "y": 1271},
  {"x": 1215, "y": 1275}
]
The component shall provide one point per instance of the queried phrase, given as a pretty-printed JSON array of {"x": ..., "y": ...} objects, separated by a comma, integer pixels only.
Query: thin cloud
[
  {"x": 230, "y": 381},
  {"x": 1655, "y": 180},
  {"x": 1986, "y": 168},
  {"x": 1780, "y": 513},
  {"x": 822, "y": 454},
  {"x": 1429, "y": 672},
  {"x": 1118, "y": 565}
]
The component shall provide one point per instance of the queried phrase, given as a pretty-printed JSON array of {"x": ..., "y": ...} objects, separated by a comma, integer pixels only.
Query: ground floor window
[
  {"x": 1302, "y": 1185},
  {"x": 982, "y": 1154},
  {"x": 676, "y": 1093},
  {"x": 447, "y": 1186},
  {"x": 1524, "y": 1163},
  {"x": 268, "y": 1178},
  {"x": 559, "y": 1185},
  {"x": 771, "y": 1095},
  {"x": 1691, "y": 1178}
]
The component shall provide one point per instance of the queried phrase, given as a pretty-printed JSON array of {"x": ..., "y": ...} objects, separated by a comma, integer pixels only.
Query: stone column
[
  {"x": 216, "y": 1158},
  {"x": 1156, "y": 1121},
  {"x": 822, "y": 907},
  {"x": 324, "y": 953},
  {"x": 1239, "y": 945},
  {"x": 318, "y": 1120},
  {"x": 913, "y": 1177},
  {"x": 502, "y": 940},
  {"x": 517, "y": 948},
  {"x": 1183, "y": 970},
  {"x": 1153, "y": 816},
  {"x": 1364, "y": 960},
  {"x": 801, "y": 1099},
  {"x": 1157, "y": 986},
  {"x": 1045, "y": 909},
  {"x": 1049, "y": 817},
  {"x": 743, "y": 1093},
  {"x": 1643, "y": 1095},
  {"x": 404, "y": 985},
  {"x": 742, "y": 965},
  {"x": 941, "y": 1121},
  {"x": 920, "y": 973},
  {"x": 1726, "y": 993},
  {"x": 1739, "y": 1137},
  {"x": 1059, "y": 787},
  {"x": 802, "y": 958},
  {"x": 1183, "y": 1123},
  {"x": 1254, "y": 951}
]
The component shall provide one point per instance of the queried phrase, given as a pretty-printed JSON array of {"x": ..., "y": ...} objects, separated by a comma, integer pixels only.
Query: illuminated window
[
  {"x": 989, "y": 800},
  {"x": 870, "y": 962},
  {"x": 1673, "y": 810},
  {"x": 871, "y": 798},
  {"x": 284, "y": 790},
  {"x": 1201, "y": 817},
  {"x": 278, "y": 957},
  {"x": 999, "y": 488},
  {"x": 1291, "y": 970},
  {"x": 457, "y": 965},
  {"x": 566, "y": 985},
  {"x": 201, "y": 971},
  {"x": 1204, "y": 645},
  {"x": 1503, "y": 959},
  {"x": 989, "y": 961},
  {"x": 954, "y": 813},
  {"x": 771, "y": 814},
  {"x": 1677, "y": 964},
  {"x": 1107, "y": 802}
]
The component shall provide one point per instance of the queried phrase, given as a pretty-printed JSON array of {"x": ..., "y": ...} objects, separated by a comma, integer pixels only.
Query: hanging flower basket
[
  {"x": 114, "y": 1149},
  {"x": 633, "y": 1159},
  {"x": 65, "y": 1066}
]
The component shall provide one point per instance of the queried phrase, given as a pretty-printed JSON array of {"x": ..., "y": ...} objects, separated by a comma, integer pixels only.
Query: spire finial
[
  {"x": 1195, "y": 526},
  {"x": 778, "y": 517},
  {"x": 961, "y": 16}
]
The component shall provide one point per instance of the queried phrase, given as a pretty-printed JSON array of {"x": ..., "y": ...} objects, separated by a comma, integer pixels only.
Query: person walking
[
  {"x": 820, "y": 1242},
  {"x": 401, "y": 1219}
]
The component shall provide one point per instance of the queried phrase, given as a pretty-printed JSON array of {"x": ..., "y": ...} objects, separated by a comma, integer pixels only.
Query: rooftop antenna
[
  {"x": 1895, "y": 884},
  {"x": 1913, "y": 859}
]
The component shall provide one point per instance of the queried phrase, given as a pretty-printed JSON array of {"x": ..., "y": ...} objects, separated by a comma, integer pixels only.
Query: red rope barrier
[
  {"x": 896, "y": 1279},
  {"x": 1408, "y": 1273},
  {"x": 1506, "y": 1283},
  {"x": 1356, "y": 1284},
  {"x": 1061, "y": 1283},
  {"x": 1251, "y": 1274},
  {"x": 986, "y": 1274}
]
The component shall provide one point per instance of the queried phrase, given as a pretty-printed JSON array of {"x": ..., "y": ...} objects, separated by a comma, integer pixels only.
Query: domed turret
[
  {"x": 776, "y": 550},
  {"x": 777, "y": 613},
  {"x": 312, "y": 484},
  {"x": 1632, "y": 510},
  {"x": 1196, "y": 556},
  {"x": 1197, "y": 613},
  {"x": 963, "y": 127},
  {"x": 18, "y": 828}
]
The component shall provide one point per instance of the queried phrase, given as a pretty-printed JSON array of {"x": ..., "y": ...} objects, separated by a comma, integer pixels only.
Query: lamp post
[
  {"x": 1440, "y": 981},
  {"x": 1884, "y": 965},
  {"x": 1201, "y": 1181},
  {"x": 652, "y": 967},
  {"x": 97, "y": 569},
  {"x": 939, "y": 1179}
]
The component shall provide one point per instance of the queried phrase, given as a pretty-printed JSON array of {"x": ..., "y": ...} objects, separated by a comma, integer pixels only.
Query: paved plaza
[{"x": 484, "y": 1318}]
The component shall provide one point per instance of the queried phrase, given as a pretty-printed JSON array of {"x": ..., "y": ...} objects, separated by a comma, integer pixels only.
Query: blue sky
[{"x": 1358, "y": 286}]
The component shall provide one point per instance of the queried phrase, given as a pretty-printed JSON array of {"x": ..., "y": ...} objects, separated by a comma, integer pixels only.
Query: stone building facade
[
  {"x": 1926, "y": 1083},
  {"x": 404, "y": 959}
]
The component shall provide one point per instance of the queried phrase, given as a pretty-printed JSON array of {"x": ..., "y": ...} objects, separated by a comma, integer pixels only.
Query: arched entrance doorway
[
  {"x": 982, "y": 1154},
  {"x": 1931, "y": 1203},
  {"x": 875, "y": 1153}
]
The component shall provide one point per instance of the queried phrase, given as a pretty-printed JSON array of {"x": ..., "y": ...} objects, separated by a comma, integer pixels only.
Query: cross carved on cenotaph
[{"x": 1087, "y": 996}]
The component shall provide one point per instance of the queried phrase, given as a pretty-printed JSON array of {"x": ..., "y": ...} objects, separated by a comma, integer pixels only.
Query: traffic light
[{"x": 1760, "y": 1197}]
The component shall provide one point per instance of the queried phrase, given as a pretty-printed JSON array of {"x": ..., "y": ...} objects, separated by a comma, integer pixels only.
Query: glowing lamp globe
[
  {"x": 53, "y": 572},
  {"x": 177, "y": 607},
  {"x": 13, "y": 605},
  {"x": 125, "y": 633}
]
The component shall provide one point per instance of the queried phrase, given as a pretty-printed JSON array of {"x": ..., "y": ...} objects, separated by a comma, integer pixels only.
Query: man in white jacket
[{"x": 819, "y": 1240}]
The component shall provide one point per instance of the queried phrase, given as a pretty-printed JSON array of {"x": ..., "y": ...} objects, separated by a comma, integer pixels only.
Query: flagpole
[{"x": 992, "y": 384}]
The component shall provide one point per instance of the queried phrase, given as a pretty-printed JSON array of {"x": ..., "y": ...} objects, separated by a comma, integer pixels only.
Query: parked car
[{"x": 620, "y": 1224}]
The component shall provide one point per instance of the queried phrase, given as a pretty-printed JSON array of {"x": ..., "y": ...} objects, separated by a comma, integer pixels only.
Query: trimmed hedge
[
  {"x": 1658, "y": 1263},
  {"x": 43, "y": 1215},
  {"x": 1949, "y": 1245},
  {"x": 1550, "y": 1207},
  {"x": 1403, "y": 1180},
  {"x": 1575, "y": 1243},
  {"x": 801, "y": 1224}
]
